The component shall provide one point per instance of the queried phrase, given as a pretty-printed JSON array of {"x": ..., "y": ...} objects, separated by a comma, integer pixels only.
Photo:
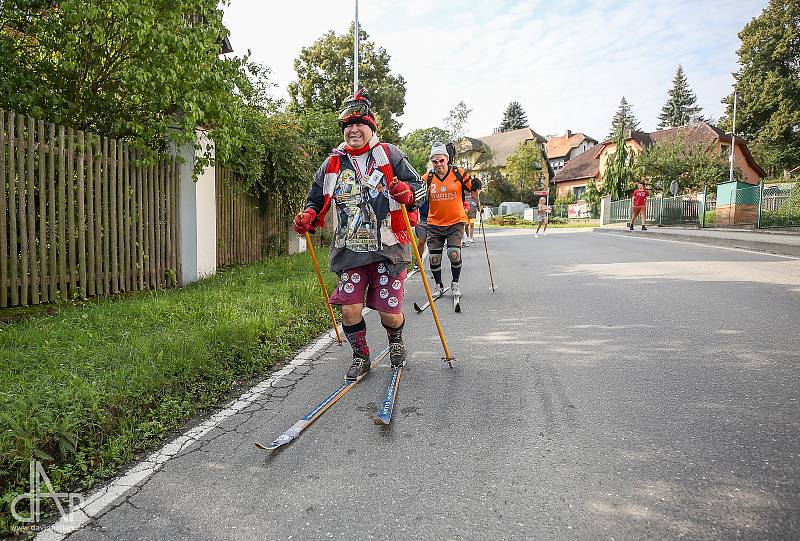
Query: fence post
[
  {"x": 630, "y": 213},
  {"x": 661, "y": 209},
  {"x": 760, "y": 202},
  {"x": 703, "y": 212},
  {"x": 605, "y": 210}
]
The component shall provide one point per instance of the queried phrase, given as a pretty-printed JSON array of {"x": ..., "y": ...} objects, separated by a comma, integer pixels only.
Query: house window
[
  {"x": 579, "y": 191},
  {"x": 723, "y": 150}
]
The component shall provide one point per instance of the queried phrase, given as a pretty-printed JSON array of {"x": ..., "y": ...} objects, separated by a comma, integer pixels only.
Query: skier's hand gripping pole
[
  {"x": 324, "y": 289},
  {"x": 483, "y": 232},
  {"x": 447, "y": 357}
]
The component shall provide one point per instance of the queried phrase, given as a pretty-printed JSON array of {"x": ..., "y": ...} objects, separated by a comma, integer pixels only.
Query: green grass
[
  {"x": 519, "y": 223},
  {"x": 85, "y": 388}
]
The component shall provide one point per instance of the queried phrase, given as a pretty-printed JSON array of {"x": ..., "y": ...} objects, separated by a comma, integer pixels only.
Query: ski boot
[
  {"x": 397, "y": 354},
  {"x": 358, "y": 369},
  {"x": 455, "y": 289}
]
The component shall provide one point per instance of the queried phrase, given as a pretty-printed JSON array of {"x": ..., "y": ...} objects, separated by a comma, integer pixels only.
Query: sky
[{"x": 567, "y": 62}]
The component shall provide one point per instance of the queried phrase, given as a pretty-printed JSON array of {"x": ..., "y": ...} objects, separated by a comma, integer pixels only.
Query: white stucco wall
[{"x": 198, "y": 215}]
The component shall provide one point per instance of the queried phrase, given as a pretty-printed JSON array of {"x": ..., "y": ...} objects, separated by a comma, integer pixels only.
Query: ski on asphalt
[
  {"x": 385, "y": 413},
  {"x": 427, "y": 304},
  {"x": 294, "y": 431},
  {"x": 457, "y": 303}
]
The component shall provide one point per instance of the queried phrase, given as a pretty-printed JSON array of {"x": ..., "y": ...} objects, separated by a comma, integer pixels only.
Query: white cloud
[{"x": 568, "y": 63}]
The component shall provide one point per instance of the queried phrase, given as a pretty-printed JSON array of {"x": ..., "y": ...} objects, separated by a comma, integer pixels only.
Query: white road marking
[{"x": 699, "y": 244}]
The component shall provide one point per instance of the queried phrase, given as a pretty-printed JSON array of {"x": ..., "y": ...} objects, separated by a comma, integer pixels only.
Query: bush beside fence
[{"x": 247, "y": 229}]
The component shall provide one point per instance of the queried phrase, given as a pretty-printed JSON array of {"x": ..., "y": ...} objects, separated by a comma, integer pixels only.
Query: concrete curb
[{"x": 768, "y": 246}]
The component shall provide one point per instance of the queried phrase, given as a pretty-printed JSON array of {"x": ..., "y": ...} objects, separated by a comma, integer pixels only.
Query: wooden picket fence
[
  {"x": 80, "y": 217},
  {"x": 247, "y": 230}
]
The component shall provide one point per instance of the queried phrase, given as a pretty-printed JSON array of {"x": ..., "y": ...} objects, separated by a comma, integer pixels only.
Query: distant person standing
[
  {"x": 471, "y": 206},
  {"x": 639, "y": 206},
  {"x": 543, "y": 217}
]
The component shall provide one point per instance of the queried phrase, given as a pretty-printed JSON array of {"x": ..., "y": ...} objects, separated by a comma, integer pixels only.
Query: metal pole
[
  {"x": 760, "y": 202},
  {"x": 705, "y": 199},
  {"x": 355, "y": 52},
  {"x": 733, "y": 139}
]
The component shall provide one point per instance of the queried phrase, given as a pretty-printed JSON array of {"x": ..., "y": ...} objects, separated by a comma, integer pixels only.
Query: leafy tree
[
  {"x": 618, "y": 178},
  {"x": 681, "y": 104},
  {"x": 321, "y": 129},
  {"x": 514, "y": 117},
  {"x": 768, "y": 86},
  {"x": 566, "y": 199},
  {"x": 675, "y": 158},
  {"x": 498, "y": 190},
  {"x": 592, "y": 196},
  {"x": 149, "y": 73},
  {"x": 325, "y": 79},
  {"x": 526, "y": 169},
  {"x": 456, "y": 121},
  {"x": 623, "y": 119},
  {"x": 417, "y": 145}
]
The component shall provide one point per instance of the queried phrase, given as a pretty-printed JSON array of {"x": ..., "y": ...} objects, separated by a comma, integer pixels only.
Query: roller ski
[
  {"x": 456, "y": 290},
  {"x": 437, "y": 295},
  {"x": 397, "y": 355},
  {"x": 294, "y": 431}
]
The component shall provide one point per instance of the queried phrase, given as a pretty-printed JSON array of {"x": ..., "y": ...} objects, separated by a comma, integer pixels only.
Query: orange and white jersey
[{"x": 446, "y": 198}]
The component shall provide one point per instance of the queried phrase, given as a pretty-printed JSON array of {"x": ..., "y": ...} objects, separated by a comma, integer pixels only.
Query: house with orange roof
[
  {"x": 592, "y": 164},
  {"x": 562, "y": 148}
]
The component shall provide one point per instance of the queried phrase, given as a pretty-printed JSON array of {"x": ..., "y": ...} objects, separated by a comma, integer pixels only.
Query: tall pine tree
[
  {"x": 623, "y": 119},
  {"x": 514, "y": 118},
  {"x": 681, "y": 104},
  {"x": 619, "y": 177}
]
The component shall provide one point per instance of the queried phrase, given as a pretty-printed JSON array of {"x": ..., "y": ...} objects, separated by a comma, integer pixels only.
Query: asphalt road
[{"x": 611, "y": 388}]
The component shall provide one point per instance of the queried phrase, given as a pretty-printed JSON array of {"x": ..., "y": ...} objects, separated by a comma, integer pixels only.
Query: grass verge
[
  {"x": 85, "y": 388},
  {"x": 568, "y": 225}
]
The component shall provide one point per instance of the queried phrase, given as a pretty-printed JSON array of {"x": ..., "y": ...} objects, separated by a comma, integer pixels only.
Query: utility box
[{"x": 737, "y": 204}]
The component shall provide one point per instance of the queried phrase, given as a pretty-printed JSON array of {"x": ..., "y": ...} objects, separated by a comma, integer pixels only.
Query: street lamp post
[
  {"x": 733, "y": 139},
  {"x": 355, "y": 52}
]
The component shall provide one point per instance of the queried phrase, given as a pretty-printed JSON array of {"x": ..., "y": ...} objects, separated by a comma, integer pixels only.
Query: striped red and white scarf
[{"x": 380, "y": 153}]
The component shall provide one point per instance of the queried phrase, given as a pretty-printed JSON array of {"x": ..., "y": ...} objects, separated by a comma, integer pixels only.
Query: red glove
[
  {"x": 401, "y": 192},
  {"x": 304, "y": 221}
]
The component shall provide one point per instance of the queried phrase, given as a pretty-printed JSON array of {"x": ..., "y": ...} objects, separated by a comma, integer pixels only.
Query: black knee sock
[
  {"x": 436, "y": 270},
  {"x": 357, "y": 336},
  {"x": 395, "y": 334},
  {"x": 455, "y": 268}
]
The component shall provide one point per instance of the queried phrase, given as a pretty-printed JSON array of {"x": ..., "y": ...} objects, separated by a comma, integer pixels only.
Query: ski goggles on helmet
[{"x": 355, "y": 110}]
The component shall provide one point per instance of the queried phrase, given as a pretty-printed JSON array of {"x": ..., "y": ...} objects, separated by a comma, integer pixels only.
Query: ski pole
[
  {"x": 324, "y": 289},
  {"x": 485, "y": 247},
  {"x": 447, "y": 357}
]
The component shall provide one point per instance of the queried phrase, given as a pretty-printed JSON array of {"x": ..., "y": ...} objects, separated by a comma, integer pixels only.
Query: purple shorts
[{"x": 384, "y": 292}]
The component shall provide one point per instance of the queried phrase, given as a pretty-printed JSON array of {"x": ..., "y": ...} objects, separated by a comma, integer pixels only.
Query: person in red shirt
[{"x": 639, "y": 206}]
